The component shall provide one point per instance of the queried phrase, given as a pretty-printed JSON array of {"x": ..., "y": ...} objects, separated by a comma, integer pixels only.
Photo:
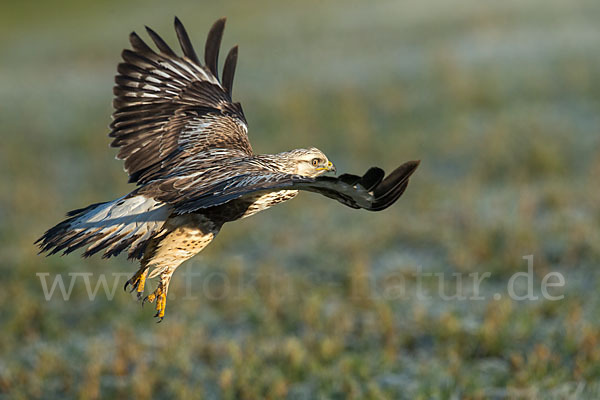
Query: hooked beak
[{"x": 330, "y": 167}]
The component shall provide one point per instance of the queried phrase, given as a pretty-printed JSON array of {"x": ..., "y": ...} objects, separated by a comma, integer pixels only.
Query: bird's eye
[{"x": 315, "y": 162}]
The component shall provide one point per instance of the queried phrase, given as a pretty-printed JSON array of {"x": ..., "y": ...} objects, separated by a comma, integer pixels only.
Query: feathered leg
[{"x": 186, "y": 236}]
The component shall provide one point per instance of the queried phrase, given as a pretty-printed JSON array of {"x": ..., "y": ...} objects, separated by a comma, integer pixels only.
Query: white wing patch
[{"x": 125, "y": 221}]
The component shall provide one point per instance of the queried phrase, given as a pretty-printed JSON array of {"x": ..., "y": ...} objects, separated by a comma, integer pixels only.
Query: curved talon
[
  {"x": 150, "y": 298},
  {"x": 137, "y": 282},
  {"x": 160, "y": 294},
  {"x": 161, "y": 302}
]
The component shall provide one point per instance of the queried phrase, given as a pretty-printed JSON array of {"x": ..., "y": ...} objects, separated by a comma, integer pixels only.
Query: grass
[{"x": 311, "y": 299}]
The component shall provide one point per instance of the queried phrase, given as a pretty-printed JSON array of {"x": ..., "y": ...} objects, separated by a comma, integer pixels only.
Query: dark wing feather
[
  {"x": 185, "y": 43},
  {"x": 169, "y": 109},
  {"x": 237, "y": 187},
  {"x": 213, "y": 44},
  {"x": 229, "y": 69},
  {"x": 372, "y": 191},
  {"x": 164, "y": 48}
]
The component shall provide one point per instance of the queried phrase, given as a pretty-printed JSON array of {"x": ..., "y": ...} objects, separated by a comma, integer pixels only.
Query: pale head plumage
[{"x": 310, "y": 162}]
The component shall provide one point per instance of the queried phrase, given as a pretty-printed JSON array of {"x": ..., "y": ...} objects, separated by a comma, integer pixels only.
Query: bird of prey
[{"x": 184, "y": 143}]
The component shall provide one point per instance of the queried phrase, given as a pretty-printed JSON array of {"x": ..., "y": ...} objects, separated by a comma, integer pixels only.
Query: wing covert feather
[{"x": 371, "y": 191}]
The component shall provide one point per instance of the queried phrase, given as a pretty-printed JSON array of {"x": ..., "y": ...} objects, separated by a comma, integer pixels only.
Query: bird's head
[{"x": 308, "y": 162}]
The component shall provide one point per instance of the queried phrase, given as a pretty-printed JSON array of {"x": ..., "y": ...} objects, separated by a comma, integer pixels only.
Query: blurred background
[{"x": 500, "y": 101}]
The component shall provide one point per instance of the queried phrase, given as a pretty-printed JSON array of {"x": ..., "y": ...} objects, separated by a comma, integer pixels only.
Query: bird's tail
[{"x": 128, "y": 222}]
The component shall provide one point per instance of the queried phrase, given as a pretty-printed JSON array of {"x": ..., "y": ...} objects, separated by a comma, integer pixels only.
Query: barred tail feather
[{"x": 128, "y": 222}]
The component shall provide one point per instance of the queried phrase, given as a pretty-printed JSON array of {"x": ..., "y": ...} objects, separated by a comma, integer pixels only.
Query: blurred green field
[{"x": 500, "y": 101}]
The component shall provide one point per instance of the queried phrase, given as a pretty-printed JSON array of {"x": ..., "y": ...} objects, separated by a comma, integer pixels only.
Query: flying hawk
[{"x": 184, "y": 143}]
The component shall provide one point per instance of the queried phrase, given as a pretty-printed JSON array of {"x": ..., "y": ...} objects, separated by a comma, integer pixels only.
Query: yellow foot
[
  {"x": 137, "y": 282},
  {"x": 160, "y": 295}
]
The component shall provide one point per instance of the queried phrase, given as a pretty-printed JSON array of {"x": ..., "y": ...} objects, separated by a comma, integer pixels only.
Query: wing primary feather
[
  {"x": 399, "y": 175},
  {"x": 138, "y": 44},
  {"x": 137, "y": 59},
  {"x": 372, "y": 178},
  {"x": 382, "y": 204},
  {"x": 160, "y": 43},
  {"x": 213, "y": 43},
  {"x": 373, "y": 193},
  {"x": 229, "y": 69},
  {"x": 184, "y": 41}
]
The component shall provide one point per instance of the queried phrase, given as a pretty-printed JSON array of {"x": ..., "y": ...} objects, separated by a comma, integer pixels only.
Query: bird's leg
[
  {"x": 160, "y": 295},
  {"x": 138, "y": 281}
]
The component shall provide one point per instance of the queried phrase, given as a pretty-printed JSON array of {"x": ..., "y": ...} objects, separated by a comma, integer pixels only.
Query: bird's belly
[
  {"x": 186, "y": 236},
  {"x": 264, "y": 201}
]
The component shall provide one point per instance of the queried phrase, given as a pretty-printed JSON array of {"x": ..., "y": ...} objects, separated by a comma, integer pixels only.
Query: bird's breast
[{"x": 261, "y": 202}]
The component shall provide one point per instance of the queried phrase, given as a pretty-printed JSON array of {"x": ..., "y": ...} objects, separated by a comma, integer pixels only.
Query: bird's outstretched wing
[
  {"x": 373, "y": 191},
  {"x": 170, "y": 108}
]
